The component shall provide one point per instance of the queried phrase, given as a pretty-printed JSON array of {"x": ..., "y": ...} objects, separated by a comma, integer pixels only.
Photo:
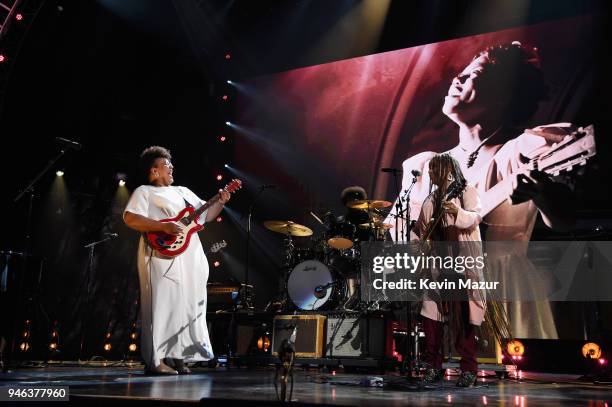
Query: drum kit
[{"x": 323, "y": 272}]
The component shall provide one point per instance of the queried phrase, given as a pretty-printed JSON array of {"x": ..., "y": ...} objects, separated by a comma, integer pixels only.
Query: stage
[{"x": 255, "y": 387}]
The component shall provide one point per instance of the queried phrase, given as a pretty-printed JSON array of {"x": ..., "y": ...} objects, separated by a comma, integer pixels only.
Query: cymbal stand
[{"x": 280, "y": 299}]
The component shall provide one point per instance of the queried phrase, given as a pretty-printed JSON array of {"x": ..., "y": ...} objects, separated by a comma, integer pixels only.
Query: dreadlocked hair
[{"x": 441, "y": 166}]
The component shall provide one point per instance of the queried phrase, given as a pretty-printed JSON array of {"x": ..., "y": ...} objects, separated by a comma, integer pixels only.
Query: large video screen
[
  {"x": 318, "y": 129},
  {"x": 497, "y": 102}
]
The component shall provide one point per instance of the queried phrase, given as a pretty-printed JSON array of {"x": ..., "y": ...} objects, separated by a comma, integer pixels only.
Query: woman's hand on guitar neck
[{"x": 224, "y": 196}]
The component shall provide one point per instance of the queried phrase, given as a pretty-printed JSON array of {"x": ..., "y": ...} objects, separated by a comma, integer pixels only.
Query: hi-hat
[
  {"x": 287, "y": 228},
  {"x": 368, "y": 204}
]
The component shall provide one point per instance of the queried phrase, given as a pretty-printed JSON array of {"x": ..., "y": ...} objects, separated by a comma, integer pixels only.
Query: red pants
[{"x": 465, "y": 344}]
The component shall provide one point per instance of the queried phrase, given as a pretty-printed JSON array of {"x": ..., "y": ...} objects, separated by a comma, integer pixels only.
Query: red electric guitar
[{"x": 173, "y": 245}]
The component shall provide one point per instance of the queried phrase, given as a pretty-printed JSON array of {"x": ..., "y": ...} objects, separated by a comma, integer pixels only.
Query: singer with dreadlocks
[{"x": 450, "y": 213}]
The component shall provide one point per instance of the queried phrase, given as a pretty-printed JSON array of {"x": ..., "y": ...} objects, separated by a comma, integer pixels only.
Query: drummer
[{"x": 355, "y": 216}]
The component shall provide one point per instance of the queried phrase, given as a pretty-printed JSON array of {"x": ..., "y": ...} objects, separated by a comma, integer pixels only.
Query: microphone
[
  {"x": 69, "y": 143},
  {"x": 267, "y": 186},
  {"x": 321, "y": 290},
  {"x": 416, "y": 173},
  {"x": 391, "y": 170},
  {"x": 111, "y": 235}
]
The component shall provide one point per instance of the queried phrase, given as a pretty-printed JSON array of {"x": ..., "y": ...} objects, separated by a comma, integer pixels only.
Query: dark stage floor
[{"x": 104, "y": 384}]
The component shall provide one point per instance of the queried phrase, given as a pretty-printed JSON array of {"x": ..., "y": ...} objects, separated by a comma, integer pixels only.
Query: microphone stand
[
  {"x": 90, "y": 268},
  {"x": 408, "y": 224},
  {"x": 29, "y": 189},
  {"x": 246, "y": 299},
  {"x": 400, "y": 213}
]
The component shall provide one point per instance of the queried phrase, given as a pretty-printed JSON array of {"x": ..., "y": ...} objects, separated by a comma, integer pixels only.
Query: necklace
[{"x": 474, "y": 155}]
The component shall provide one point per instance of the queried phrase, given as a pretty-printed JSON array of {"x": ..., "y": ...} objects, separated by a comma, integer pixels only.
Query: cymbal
[
  {"x": 376, "y": 225},
  {"x": 368, "y": 204},
  {"x": 287, "y": 228}
]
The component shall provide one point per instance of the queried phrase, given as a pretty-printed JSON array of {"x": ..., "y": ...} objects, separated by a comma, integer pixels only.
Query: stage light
[
  {"x": 602, "y": 361},
  {"x": 591, "y": 350},
  {"x": 222, "y": 139},
  {"x": 224, "y": 97},
  {"x": 515, "y": 349},
  {"x": 53, "y": 346},
  {"x": 226, "y": 166},
  {"x": 229, "y": 82},
  {"x": 18, "y": 16},
  {"x": 217, "y": 263},
  {"x": 263, "y": 343},
  {"x": 219, "y": 218},
  {"x": 219, "y": 177},
  {"x": 133, "y": 335},
  {"x": 2, "y": 58},
  {"x": 107, "y": 345},
  {"x": 24, "y": 347},
  {"x": 228, "y": 123},
  {"x": 228, "y": 56},
  {"x": 132, "y": 347},
  {"x": 121, "y": 183},
  {"x": 59, "y": 173}
]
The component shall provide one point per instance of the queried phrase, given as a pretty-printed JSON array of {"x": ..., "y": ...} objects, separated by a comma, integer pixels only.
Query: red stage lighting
[
  {"x": 2, "y": 58},
  {"x": 219, "y": 177},
  {"x": 224, "y": 97},
  {"x": 18, "y": 16},
  {"x": 217, "y": 263},
  {"x": 222, "y": 138},
  {"x": 219, "y": 218},
  {"x": 228, "y": 56}
]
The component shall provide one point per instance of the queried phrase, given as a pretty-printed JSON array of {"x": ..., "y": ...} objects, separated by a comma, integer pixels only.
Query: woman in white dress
[{"x": 172, "y": 290}]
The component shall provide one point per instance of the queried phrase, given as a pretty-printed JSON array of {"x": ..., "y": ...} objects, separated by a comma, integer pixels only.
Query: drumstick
[{"x": 317, "y": 218}]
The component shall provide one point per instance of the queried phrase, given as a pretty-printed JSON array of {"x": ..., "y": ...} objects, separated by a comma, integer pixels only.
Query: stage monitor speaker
[
  {"x": 355, "y": 335},
  {"x": 310, "y": 334}
]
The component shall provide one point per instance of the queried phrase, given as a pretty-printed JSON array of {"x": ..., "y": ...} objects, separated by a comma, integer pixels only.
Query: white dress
[{"x": 172, "y": 290}]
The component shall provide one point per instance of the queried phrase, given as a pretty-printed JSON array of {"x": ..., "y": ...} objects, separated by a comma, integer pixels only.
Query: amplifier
[
  {"x": 355, "y": 335},
  {"x": 221, "y": 297},
  {"x": 310, "y": 335}
]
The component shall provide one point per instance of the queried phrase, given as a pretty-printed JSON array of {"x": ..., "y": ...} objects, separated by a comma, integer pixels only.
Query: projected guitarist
[
  {"x": 172, "y": 289},
  {"x": 497, "y": 92}
]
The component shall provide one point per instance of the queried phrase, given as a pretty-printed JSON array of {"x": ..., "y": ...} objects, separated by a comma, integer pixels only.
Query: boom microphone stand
[
  {"x": 90, "y": 268},
  {"x": 29, "y": 190}
]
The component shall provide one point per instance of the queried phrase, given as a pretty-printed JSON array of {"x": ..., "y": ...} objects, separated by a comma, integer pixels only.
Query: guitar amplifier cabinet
[
  {"x": 309, "y": 338},
  {"x": 355, "y": 335}
]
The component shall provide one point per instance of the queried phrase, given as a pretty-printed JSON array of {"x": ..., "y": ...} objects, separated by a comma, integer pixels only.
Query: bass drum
[{"x": 311, "y": 286}]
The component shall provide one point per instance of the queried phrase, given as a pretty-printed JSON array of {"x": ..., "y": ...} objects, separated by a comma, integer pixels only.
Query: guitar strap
[{"x": 187, "y": 204}]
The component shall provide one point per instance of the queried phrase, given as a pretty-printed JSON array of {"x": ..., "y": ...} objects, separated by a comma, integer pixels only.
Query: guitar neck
[{"x": 205, "y": 206}]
